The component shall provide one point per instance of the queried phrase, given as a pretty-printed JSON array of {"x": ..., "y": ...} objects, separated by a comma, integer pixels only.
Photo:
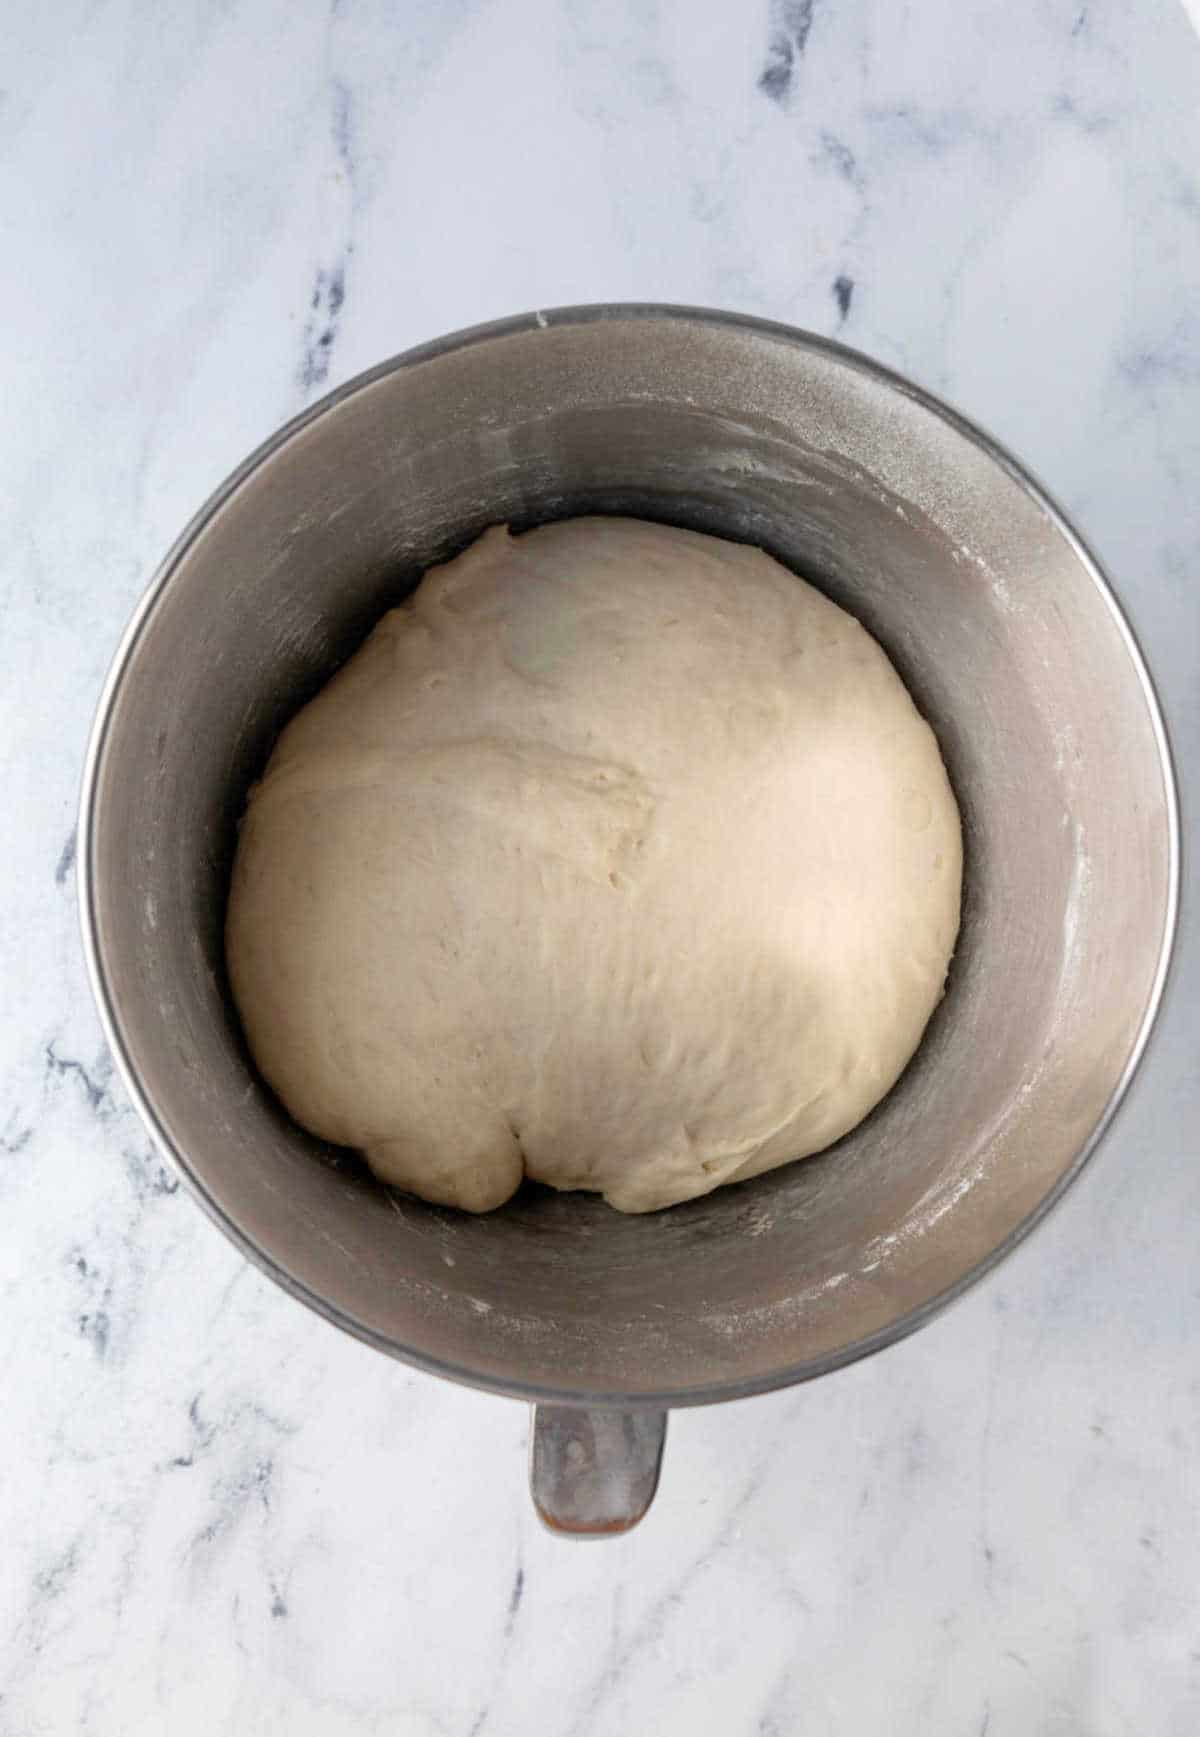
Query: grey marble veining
[{"x": 216, "y": 1513}]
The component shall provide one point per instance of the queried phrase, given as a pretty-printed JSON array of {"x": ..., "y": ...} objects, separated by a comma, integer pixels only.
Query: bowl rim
[{"x": 529, "y": 323}]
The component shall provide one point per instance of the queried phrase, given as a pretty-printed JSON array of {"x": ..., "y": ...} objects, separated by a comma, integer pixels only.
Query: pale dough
[{"x": 618, "y": 857}]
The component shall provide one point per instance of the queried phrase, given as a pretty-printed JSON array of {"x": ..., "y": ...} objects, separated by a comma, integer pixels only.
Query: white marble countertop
[{"x": 216, "y": 1513}]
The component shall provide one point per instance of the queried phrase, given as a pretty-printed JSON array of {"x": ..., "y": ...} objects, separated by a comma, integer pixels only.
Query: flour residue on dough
[{"x": 618, "y": 857}]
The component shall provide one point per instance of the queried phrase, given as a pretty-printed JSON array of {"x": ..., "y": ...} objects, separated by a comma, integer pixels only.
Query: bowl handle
[{"x": 593, "y": 1473}]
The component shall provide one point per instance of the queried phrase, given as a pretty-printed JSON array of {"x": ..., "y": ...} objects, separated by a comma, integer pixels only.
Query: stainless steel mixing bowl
[{"x": 1003, "y": 626}]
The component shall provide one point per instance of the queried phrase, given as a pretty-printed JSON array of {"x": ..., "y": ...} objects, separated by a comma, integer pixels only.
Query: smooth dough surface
[{"x": 617, "y": 857}]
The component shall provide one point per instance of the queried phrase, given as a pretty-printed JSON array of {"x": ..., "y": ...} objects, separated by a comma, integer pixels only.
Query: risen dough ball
[{"x": 618, "y": 857}]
